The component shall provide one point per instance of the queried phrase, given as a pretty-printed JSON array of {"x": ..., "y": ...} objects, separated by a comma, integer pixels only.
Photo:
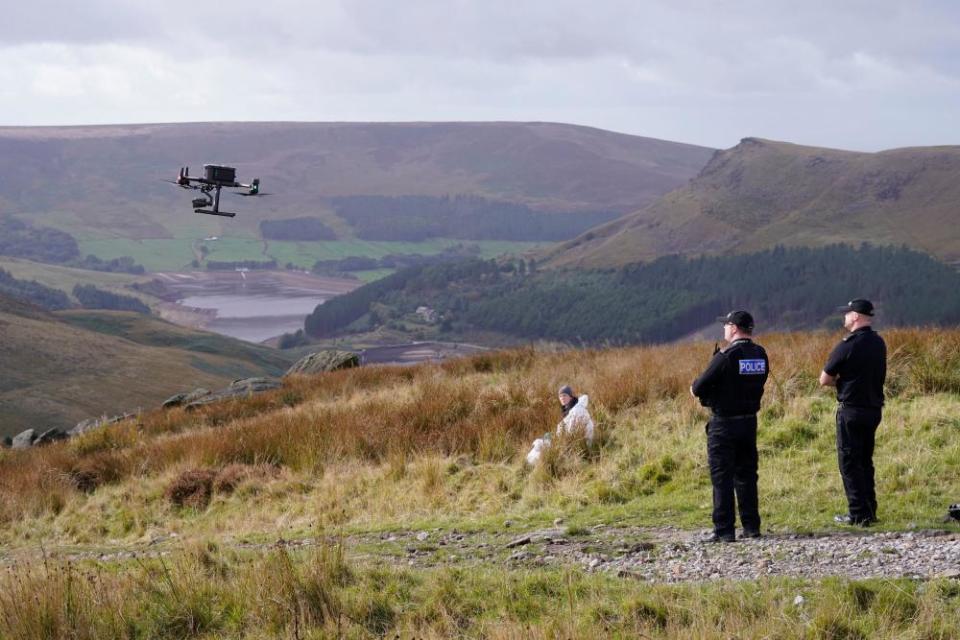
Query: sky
[{"x": 848, "y": 74}]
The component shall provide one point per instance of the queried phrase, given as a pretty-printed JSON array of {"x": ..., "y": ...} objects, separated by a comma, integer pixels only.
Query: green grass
[
  {"x": 372, "y": 274},
  {"x": 177, "y": 253},
  {"x": 209, "y": 591},
  {"x": 155, "y": 254}
]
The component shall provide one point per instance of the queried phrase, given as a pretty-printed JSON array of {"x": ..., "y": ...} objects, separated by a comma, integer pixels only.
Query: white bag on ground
[{"x": 539, "y": 446}]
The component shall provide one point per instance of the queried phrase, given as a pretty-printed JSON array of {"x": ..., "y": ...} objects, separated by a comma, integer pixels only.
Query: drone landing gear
[
  {"x": 225, "y": 214},
  {"x": 210, "y": 200}
]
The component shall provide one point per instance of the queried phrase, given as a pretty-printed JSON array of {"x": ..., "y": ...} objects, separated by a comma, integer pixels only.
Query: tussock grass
[
  {"x": 207, "y": 592},
  {"x": 444, "y": 443}
]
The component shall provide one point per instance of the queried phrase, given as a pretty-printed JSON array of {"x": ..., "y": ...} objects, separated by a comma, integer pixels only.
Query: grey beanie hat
[{"x": 566, "y": 389}]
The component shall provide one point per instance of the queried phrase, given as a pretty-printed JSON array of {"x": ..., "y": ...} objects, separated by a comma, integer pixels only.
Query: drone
[{"x": 215, "y": 177}]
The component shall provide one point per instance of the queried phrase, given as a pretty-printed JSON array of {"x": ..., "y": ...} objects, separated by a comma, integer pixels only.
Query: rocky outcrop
[
  {"x": 323, "y": 361},
  {"x": 242, "y": 388},
  {"x": 50, "y": 435},
  {"x": 24, "y": 439},
  {"x": 93, "y": 423},
  {"x": 185, "y": 398}
]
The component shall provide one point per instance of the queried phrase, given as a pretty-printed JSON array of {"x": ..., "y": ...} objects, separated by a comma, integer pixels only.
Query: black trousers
[
  {"x": 856, "y": 434},
  {"x": 732, "y": 454}
]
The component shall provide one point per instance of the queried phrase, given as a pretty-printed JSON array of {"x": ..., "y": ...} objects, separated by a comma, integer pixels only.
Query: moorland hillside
[
  {"x": 62, "y": 367},
  {"x": 392, "y": 501},
  {"x": 763, "y": 193},
  {"x": 105, "y": 181}
]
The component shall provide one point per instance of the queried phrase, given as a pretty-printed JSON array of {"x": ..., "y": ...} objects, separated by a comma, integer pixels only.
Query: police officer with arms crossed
[
  {"x": 731, "y": 387},
  {"x": 857, "y": 367}
]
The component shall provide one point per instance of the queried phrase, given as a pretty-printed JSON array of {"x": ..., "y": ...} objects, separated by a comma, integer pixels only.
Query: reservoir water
[{"x": 252, "y": 305}]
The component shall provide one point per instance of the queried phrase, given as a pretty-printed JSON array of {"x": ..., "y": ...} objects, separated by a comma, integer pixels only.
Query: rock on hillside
[
  {"x": 762, "y": 193},
  {"x": 237, "y": 389},
  {"x": 323, "y": 361}
]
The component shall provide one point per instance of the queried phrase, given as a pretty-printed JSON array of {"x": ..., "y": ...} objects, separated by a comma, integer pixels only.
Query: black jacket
[
  {"x": 860, "y": 364},
  {"x": 732, "y": 383}
]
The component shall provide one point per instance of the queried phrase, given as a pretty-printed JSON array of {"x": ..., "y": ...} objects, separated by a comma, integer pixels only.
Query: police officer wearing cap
[
  {"x": 857, "y": 367},
  {"x": 731, "y": 386}
]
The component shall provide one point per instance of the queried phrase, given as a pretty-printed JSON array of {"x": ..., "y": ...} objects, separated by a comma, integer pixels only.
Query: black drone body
[{"x": 215, "y": 177}]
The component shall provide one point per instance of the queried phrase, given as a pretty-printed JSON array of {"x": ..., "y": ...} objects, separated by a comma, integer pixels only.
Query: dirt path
[{"x": 660, "y": 555}]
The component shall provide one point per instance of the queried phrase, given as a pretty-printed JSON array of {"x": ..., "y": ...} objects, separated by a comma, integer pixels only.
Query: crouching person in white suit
[{"x": 575, "y": 418}]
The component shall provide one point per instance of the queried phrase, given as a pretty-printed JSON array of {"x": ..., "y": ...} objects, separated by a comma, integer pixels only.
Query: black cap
[
  {"x": 859, "y": 305},
  {"x": 742, "y": 319}
]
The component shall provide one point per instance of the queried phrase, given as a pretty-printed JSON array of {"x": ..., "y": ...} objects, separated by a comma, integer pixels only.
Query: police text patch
[{"x": 753, "y": 367}]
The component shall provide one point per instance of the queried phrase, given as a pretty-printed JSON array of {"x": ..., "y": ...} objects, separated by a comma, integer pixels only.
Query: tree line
[
  {"x": 33, "y": 292},
  {"x": 297, "y": 229},
  {"x": 467, "y": 217},
  {"x": 785, "y": 288},
  {"x": 89, "y": 296},
  {"x": 19, "y": 239},
  {"x": 394, "y": 260}
]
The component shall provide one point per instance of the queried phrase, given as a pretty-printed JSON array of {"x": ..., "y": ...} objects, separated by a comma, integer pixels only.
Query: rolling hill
[
  {"x": 105, "y": 181},
  {"x": 60, "y": 368},
  {"x": 762, "y": 193}
]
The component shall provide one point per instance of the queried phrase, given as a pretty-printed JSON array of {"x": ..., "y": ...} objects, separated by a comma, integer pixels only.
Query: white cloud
[{"x": 710, "y": 73}]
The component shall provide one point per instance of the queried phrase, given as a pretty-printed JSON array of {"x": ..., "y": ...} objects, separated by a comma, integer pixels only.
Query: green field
[
  {"x": 66, "y": 278},
  {"x": 372, "y": 274},
  {"x": 172, "y": 254},
  {"x": 175, "y": 254}
]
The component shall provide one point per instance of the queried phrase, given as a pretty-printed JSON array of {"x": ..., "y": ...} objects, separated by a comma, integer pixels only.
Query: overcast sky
[{"x": 852, "y": 74}]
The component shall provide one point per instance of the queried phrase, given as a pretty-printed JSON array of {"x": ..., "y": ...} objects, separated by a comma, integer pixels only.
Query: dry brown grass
[
  {"x": 486, "y": 408},
  {"x": 192, "y": 489}
]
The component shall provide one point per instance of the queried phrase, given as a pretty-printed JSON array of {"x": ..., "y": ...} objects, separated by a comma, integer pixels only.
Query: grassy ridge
[
  {"x": 66, "y": 278},
  {"x": 384, "y": 447},
  {"x": 555, "y": 166},
  {"x": 440, "y": 445},
  {"x": 763, "y": 193},
  {"x": 60, "y": 369}
]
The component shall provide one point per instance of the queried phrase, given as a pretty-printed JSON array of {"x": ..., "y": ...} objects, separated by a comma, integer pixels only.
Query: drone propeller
[
  {"x": 179, "y": 184},
  {"x": 253, "y": 189}
]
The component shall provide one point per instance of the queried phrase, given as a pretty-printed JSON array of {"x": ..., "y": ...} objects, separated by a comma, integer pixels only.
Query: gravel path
[
  {"x": 662, "y": 555},
  {"x": 671, "y": 555}
]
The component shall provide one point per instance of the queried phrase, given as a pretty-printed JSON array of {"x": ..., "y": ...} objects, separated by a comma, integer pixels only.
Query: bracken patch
[{"x": 192, "y": 488}]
